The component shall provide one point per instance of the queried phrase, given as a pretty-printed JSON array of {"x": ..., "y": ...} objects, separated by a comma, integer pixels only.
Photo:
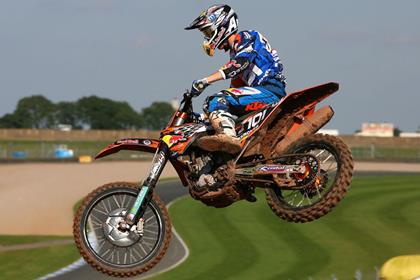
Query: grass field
[
  {"x": 386, "y": 153},
  {"x": 34, "y": 263},
  {"x": 25, "y": 239},
  {"x": 376, "y": 221}
]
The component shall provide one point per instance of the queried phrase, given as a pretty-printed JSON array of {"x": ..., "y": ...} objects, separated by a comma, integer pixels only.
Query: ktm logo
[{"x": 255, "y": 106}]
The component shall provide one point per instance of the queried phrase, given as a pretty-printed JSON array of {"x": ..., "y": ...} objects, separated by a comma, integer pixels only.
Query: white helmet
[{"x": 217, "y": 23}]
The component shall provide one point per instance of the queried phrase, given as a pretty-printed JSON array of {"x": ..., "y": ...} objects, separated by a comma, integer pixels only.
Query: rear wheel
[
  {"x": 329, "y": 187},
  {"x": 117, "y": 252}
]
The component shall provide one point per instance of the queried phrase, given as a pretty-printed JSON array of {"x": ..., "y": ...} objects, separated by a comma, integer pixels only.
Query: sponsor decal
[
  {"x": 234, "y": 90},
  {"x": 175, "y": 139},
  {"x": 170, "y": 140},
  {"x": 231, "y": 63},
  {"x": 146, "y": 142},
  {"x": 157, "y": 164},
  {"x": 221, "y": 100},
  {"x": 276, "y": 168},
  {"x": 272, "y": 168},
  {"x": 139, "y": 200},
  {"x": 255, "y": 120},
  {"x": 219, "y": 36},
  {"x": 255, "y": 106},
  {"x": 233, "y": 24},
  {"x": 127, "y": 141},
  {"x": 212, "y": 18}
]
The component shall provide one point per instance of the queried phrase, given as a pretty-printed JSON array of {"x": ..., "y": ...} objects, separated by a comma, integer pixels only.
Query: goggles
[
  {"x": 208, "y": 32},
  {"x": 209, "y": 36}
]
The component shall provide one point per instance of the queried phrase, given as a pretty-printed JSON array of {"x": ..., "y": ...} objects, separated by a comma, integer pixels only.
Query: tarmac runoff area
[{"x": 39, "y": 197}]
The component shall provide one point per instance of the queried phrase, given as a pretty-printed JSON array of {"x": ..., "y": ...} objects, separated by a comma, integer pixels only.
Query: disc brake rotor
[
  {"x": 310, "y": 172},
  {"x": 113, "y": 232}
]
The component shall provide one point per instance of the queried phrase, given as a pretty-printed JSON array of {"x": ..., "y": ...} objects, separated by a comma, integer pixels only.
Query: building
[
  {"x": 377, "y": 129},
  {"x": 175, "y": 103},
  {"x": 410, "y": 134},
  {"x": 333, "y": 132}
]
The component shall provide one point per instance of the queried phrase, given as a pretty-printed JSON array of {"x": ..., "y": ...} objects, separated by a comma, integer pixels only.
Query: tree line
[{"x": 90, "y": 112}]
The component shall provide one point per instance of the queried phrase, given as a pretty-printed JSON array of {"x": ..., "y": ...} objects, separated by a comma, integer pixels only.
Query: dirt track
[{"x": 38, "y": 198}]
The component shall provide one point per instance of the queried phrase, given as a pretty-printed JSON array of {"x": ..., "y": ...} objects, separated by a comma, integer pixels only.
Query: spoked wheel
[
  {"x": 328, "y": 187},
  {"x": 117, "y": 252}
]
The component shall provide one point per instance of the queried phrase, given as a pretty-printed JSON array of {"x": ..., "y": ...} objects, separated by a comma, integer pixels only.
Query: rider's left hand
[
  {"x": 198, "y": 86},
  {"x": 197, "y": 117}
]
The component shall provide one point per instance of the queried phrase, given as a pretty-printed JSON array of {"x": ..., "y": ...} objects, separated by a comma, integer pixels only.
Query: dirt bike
[{"x": 123, "y": 229}]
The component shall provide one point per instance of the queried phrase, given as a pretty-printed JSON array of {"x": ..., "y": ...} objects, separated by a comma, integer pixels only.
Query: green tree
[
  {"x": 157, "y": 115},
  {"x": 103, "y": 113},
  {"x": 397, "y": 132},
  {"x": 10, "y": 121},
  {"x": 35, "y": 111},
  {"x": 67, "y": 113}
]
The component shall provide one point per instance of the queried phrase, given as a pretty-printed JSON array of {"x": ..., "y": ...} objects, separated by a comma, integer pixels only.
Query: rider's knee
[{"x": 216, "y": 102}]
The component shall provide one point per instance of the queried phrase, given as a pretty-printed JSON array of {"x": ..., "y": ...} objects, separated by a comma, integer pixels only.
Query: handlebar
[
  {"x": 187, "y": 101},
  {"x": 187, "y": 96}
]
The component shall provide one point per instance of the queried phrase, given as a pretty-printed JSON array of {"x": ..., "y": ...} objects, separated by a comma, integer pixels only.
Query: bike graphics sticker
[
  {"x": 170, "y": 140},
  {"x": 253, "y": 122}
]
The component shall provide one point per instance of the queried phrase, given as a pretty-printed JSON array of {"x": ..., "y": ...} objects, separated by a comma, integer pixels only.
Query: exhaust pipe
[{"x": 309, "y": 125}]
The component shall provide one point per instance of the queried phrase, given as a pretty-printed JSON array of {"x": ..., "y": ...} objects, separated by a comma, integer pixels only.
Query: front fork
[{"x": 146, "y": 192}]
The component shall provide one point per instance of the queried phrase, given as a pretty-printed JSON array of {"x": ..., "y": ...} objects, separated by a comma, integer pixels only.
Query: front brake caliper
[{"x": 140, "y": 227}]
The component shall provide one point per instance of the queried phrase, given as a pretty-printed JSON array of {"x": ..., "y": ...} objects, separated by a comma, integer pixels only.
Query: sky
[{"x": 137, "y": 51}]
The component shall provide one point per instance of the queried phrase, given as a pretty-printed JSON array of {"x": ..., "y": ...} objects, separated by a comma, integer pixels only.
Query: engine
[
  {"x": 201, "y": 169},
  {"x": 212, "y": 179}
]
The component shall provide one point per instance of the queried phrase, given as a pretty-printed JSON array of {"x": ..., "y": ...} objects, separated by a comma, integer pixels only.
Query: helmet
[{"x": 217, "y": 23}]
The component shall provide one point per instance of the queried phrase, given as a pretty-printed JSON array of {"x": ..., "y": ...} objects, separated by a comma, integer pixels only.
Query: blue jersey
[{"x": 253, "y": 60}]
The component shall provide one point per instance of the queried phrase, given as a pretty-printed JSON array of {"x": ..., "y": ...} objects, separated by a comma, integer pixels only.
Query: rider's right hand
[{"x": 198, "y": 86}]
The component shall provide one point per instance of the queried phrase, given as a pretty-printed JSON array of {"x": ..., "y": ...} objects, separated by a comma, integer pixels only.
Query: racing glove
[{"x": 198, "y": 86}]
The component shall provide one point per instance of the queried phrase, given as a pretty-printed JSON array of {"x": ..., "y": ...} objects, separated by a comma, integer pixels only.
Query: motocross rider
[{"x": 254, "y": 68}]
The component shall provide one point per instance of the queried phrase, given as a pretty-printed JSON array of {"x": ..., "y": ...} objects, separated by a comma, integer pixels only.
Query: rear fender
[
  {"x": 288, "y": 115},
  {"x": 134, "y": 144},
  {"x": 303, "y": 101}
]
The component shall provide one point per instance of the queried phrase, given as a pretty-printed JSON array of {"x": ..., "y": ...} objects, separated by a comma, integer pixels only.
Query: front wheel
[
  {"x": 329, "y": 187},
  {"x": 114, "y": 251}
]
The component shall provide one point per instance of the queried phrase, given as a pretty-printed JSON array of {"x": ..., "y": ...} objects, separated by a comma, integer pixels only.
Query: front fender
[{"x": 135, "y": 144}]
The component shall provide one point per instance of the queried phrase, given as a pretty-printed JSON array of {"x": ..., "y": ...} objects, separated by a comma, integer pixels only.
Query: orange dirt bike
[{"x": 123, "y": 229}]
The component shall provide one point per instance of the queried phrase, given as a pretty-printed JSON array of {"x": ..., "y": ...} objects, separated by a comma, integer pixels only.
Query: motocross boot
[{"x": 225, "y": 139}]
